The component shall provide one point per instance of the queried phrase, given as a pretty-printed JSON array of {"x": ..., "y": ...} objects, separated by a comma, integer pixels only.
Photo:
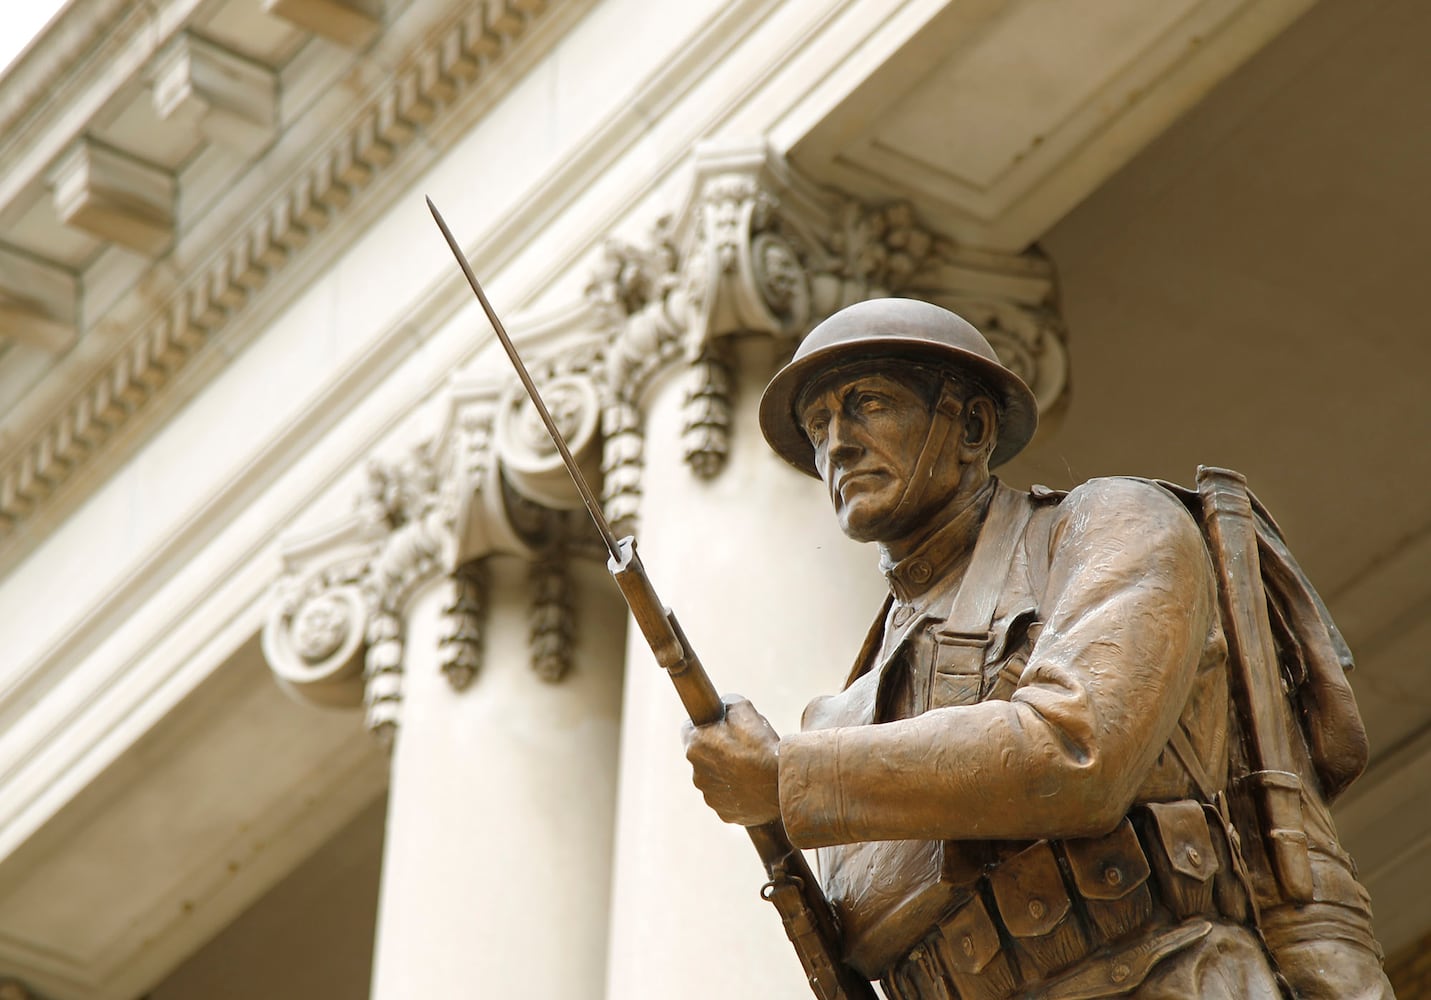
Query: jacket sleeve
[{"x": 1129, "y": 607}]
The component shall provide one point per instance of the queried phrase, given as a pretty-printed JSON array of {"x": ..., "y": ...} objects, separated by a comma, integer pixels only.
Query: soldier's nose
[{"x": 843, "y": 444}]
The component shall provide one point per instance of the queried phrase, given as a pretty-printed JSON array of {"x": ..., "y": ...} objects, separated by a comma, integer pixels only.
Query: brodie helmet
[{"x": 900, "y": 329}]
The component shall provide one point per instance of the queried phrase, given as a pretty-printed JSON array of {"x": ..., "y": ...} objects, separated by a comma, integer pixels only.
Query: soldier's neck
[{"x": 952, "y": 526}]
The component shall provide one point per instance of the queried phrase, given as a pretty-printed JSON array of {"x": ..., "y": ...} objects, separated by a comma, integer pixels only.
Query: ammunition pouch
[{"x": 1132, "y": 896}]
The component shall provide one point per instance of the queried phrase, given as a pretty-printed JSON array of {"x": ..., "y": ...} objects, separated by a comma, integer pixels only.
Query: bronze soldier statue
[{"x": 1064, "y": 765}]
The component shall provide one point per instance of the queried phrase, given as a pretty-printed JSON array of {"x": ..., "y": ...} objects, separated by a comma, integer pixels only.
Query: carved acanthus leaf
[
  {"x": 706, "y": 414},
  {"x": 460, "y": 640},
  {"x": 551, "y": 626}
]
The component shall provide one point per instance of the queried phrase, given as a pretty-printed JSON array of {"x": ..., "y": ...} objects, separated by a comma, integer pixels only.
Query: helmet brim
[{"x": 1018, "y": 409}]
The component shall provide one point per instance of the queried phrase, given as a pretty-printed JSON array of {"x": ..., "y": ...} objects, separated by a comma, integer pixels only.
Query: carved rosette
[
  {"x": 530, "y": 461},
  {"x": 1030, "y": 340},
  {"x": 314, "y": 640},
  {"x": 335, "y": 636}
]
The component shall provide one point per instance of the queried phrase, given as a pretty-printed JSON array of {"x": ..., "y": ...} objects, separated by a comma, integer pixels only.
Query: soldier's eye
[{"x": 815, "y": 428}]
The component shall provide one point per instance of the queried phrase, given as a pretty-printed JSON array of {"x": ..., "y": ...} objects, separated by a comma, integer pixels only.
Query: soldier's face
[{"x": 867, "y": 431}]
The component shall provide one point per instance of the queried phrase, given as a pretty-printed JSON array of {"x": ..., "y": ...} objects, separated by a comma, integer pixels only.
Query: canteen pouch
[
  {"x": 1182, "y": 855},
  {"x": 966, "y": 946},
  {"x": 1036, "y": 910},
  {"x": 1111, "y": 874}
]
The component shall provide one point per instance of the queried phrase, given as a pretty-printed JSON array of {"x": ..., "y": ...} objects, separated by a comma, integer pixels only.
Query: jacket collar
[{"x": 927, "y": 565}]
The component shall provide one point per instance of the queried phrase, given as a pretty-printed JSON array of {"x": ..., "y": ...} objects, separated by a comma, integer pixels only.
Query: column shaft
[{"x": 496, "y": 871}]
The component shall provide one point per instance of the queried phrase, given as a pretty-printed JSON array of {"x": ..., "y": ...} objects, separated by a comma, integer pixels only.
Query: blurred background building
[{"x": 312, "y": 681}]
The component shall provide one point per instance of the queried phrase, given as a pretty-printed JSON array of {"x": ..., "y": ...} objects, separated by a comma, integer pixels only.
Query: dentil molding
[{"x": 753, "y": 251}]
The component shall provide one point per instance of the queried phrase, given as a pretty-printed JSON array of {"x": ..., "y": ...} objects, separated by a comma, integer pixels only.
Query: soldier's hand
[{"x": 737, "y": 764}]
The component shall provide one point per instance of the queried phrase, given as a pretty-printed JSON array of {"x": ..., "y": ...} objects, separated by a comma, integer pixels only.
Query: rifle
[{"x": 792, "y": 888}]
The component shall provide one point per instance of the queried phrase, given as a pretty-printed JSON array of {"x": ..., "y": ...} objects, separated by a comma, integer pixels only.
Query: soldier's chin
[{"x": 864, "y": 521}]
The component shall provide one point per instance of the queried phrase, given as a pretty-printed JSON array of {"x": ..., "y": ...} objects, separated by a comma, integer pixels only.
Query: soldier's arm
[{"x": 1128, "y": 608}]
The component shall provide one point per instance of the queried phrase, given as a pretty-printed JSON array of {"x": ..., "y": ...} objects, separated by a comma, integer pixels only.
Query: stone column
[
  {"x": 488, "y": 647},
  {"x": 745, "y": 550},
  {"x": 496, "y": 868}
]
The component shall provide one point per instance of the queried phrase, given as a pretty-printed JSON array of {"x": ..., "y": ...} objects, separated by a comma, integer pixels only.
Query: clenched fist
[{"x": 737, "y": 764}]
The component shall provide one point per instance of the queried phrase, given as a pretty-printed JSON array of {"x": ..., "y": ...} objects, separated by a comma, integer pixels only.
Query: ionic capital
[{"x": 336, "y": 634}]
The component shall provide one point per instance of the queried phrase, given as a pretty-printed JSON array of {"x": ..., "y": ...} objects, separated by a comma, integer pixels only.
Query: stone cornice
[
  {"x": 50, "y": 68},
  {"x": 458, "y": 50}
]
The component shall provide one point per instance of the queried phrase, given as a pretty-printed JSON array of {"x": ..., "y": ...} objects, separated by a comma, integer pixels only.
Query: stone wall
[{"x": 1410, "y": 970}]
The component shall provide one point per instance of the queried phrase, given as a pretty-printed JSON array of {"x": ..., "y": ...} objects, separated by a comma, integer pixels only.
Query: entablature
[{"x": 138, "y": 202}]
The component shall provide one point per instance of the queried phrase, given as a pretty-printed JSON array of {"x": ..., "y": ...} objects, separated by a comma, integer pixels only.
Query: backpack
[{"x": 1297, "y": 742}]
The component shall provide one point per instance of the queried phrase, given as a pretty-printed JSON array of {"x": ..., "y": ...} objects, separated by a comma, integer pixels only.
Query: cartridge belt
[{"x": 1128, "y": 898}]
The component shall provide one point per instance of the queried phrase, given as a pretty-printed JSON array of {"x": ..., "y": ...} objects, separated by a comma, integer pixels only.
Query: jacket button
[
  {"x": 1113, "y": 876},
  {"x": 1120, "y": 972},
  {"x": 1036, "y": 908},
  {"x": 967, "y": 944},
  {"x": 1194, "y": 856},
  {"x": 902, "y": 614}
]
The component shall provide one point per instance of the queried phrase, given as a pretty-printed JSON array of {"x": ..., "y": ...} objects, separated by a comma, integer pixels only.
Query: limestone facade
[{"x": 280, "y": 536}]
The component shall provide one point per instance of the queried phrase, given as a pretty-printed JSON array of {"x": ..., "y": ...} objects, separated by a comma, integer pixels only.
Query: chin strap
[{"x": 946, "y": 410}]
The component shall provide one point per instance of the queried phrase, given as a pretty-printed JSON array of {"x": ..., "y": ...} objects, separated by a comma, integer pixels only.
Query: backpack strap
[{"x": 1191, "y": 762}]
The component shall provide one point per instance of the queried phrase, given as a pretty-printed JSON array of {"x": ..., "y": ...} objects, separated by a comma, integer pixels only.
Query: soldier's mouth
[{"x": 854, "y": 481}]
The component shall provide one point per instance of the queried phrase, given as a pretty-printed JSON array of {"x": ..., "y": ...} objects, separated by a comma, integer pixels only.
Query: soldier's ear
[{"x": 979, "y": 426}]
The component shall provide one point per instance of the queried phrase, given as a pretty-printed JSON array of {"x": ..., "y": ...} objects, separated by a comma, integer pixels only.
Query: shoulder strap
[
  {"x": 966, "y": 630},
  {"x": 1191, "y": 762}
]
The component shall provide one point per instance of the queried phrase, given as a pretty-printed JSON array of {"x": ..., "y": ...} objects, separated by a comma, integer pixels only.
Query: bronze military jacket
[{"x": 1105, "y": 637}]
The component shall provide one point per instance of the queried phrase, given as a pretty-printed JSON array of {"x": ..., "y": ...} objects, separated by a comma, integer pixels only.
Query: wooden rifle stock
[{"x": 792, "y": 888}]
